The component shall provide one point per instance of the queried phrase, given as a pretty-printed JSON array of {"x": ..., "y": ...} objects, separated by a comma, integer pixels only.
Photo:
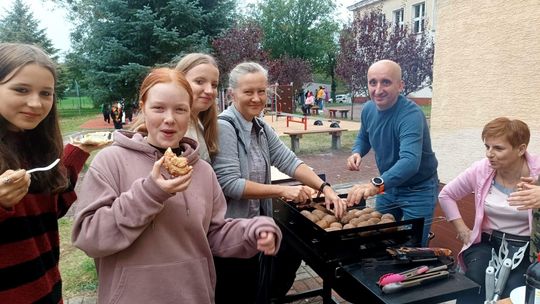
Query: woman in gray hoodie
[
  {"x": 153, "y": 235},
  {"x": 247, "y": 149}
]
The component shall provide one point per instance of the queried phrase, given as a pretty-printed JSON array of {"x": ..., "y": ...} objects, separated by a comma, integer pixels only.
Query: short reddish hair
[
  {"x": 160, "y": 75},
  {"x": 515, "y": 131}
]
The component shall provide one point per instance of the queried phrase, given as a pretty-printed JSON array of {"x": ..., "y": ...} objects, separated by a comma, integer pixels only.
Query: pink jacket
[
  {"x": 151, "y": 246},
  {"x": 476, "y": 179}
]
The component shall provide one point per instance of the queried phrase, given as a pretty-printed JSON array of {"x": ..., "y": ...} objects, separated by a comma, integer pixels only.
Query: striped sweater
[{"x": 29, "y": 241}]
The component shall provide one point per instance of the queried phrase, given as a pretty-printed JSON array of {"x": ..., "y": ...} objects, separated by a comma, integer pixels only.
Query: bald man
[{"x": 397, "y": 130}]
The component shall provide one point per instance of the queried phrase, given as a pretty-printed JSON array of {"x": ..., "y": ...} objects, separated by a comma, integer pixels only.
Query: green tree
[
  {"x": 304, "y": 29},
  {"x": 370, "y": 38},
  {"x": 116, "y": 42},
  {"x": 19, "y": 25}
]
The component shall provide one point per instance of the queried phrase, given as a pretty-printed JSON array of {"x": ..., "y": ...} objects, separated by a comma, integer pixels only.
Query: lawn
[
  {"x": 77, "y": 269},
  {"x": 74, "y": 112}
]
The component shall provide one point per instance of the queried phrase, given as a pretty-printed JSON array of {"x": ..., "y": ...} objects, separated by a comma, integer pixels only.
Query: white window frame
[
  {"x": 399, "y": 18},
  {"x": 419, "y": 17}
]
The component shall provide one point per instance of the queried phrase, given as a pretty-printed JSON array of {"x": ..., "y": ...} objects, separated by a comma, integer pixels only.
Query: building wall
[
  {"x": 487, "y": 61},
  {"x": 389, "y": 6}
]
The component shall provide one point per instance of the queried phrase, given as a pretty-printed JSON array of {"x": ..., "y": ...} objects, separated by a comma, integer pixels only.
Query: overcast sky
[
  {"x": 50, "y": 17},
  {"x": 53, "y": 18}
]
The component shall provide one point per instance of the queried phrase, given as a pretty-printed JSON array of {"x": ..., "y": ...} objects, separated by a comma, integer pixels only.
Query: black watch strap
[{"x": 321, "y": 188}]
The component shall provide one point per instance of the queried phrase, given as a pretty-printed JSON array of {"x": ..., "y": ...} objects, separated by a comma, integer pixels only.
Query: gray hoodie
[{"x": 150, "y": 246}]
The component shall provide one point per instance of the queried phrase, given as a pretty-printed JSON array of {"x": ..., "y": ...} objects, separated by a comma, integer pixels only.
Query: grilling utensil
[{"x": 391, "y": 283}]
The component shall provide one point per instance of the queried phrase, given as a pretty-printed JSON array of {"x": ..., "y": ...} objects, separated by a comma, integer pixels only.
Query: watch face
[{"x": 377, "y": 181}]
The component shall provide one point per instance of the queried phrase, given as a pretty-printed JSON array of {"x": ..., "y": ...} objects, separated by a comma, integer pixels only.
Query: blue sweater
[{"x": 401, "y": 141}]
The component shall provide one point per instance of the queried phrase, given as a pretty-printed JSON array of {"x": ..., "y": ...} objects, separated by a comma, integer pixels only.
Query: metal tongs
[{"x": 391, "y": 282}]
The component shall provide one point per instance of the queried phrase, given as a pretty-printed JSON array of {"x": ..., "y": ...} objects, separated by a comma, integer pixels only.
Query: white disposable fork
[{"x": 54, "y": 163}]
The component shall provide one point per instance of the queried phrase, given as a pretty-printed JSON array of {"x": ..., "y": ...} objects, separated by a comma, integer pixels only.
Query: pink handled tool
[{"x": 402, "y": 276}]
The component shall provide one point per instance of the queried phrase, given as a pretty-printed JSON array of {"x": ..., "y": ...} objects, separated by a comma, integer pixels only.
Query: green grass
[
  {"x": 74, "y": 112},
  {"x": 75, "y": 103},
  {"x": 77, "y": 269},
  {"x": 312, "y": 143}
]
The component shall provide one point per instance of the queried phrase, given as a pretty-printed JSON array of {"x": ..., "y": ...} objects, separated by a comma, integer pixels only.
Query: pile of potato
[{"x": 354, "y": 218}]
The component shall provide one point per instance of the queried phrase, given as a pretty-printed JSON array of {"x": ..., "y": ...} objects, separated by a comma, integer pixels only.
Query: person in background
[
  {"x": 492, "y": 180},
  {"x": 308, "y": 103},
  {"x": 397, "y": 130},
  {"x": 202, "y": 72},
  {"x": 247, "y": 149},
  {"x": 320, "y": 98},
  {"x": 116, "y": 115},
  {"x": 152, "y": 235},
  {"x": 106, "y": 110},
  {"x": 30, "y": 204},
  {"x": 128, "y": 110},
  {"x": 326, "y": 95}
]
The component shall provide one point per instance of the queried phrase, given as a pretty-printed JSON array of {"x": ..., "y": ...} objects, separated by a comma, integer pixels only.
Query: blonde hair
[{"x": 208, "y": 118}]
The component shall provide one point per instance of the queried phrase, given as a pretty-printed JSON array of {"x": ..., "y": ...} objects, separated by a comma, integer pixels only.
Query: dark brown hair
[{"x": 41, "y": 145}]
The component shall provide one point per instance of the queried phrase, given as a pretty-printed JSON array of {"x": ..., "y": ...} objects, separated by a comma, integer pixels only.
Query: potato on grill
[
  {"x": 323, "y": 224},
  {"x": 354, "y": 218}
]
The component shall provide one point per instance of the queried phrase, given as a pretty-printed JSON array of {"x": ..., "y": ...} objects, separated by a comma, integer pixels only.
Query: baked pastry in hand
[{"x": 175, "y": 165}]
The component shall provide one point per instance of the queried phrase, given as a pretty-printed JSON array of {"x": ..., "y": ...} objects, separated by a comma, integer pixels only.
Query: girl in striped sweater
[{"x": 30, "y": 204}]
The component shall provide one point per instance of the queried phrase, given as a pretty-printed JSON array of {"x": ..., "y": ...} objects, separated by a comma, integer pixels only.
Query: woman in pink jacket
[
  {"x": 492, "y": 179},
  {"x": 153, "y": 235}
]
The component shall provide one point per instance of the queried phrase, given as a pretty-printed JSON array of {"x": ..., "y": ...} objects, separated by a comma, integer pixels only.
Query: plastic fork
[{"x": 49, "y": 167}]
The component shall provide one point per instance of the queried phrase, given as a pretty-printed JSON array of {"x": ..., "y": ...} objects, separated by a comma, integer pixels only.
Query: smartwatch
[{"x": 379, "y": 183}]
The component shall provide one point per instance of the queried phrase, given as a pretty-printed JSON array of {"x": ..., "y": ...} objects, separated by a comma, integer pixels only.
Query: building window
[
  {"x": 398, "y": 18},
  {"x": 382, "y": 19},
  {"x": 419, "y": 13}
]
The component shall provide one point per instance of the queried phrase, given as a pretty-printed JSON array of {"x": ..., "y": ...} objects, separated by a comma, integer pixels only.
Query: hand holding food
[
  {"x": 175, "y": 165},
  {"x": 13, "y": 187},
  {"x": 170, "y": 185},
  {"x": 92, "y": 141}
]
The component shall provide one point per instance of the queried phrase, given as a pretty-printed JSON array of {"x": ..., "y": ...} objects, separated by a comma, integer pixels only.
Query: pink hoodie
[{"x": 150, "y": 246}]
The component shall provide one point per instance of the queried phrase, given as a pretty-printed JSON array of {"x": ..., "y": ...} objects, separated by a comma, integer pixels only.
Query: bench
[
  {"x": 343, "y": 113},
  {"x": 332, "y": 112},
  {"x": 297, "y": 134},
  {"x": 315, "y": 110},
  {"x": 294, "y": 118}
]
